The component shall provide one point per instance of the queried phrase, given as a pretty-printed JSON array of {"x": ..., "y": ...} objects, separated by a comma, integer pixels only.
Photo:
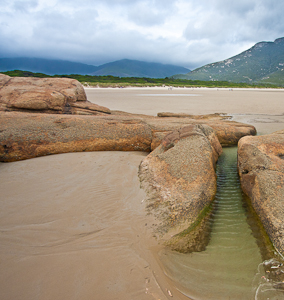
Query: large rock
[
  {"x": 261, "y": 170},
  {"x": 24, "y": 136},
  {"x": 228, "y": 132},
  {"x": 48, "y": 95},
  {"x": 52, "y": 134},
  {"x": 184, "y": 115},
  {"x": 4, "y": 79},
  {"x": 179, "y": 177}
]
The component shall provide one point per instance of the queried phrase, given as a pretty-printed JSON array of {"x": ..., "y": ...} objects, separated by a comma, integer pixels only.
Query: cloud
[
  {"x": 234, "y": 26},
  {"x": 25, "y": 6},
  {"x": 183, "y": 32},
  {"x": 151, "y": 12},
  {"x": 240, "y": 8}
]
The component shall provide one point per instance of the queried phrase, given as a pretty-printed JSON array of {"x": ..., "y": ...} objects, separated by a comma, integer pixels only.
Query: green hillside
[
  {"x": 263, "y": 63},
  {"x": 120, "y": 68},
  {"x": 135, "y": 68},
  {"x": 46, "y": 66}
]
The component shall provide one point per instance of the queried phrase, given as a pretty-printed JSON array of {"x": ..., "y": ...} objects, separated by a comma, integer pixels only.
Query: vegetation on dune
[{"x": 115, "y": 81}]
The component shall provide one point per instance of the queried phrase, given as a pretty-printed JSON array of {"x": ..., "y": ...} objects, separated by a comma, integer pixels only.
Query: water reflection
[{"x": 232, "y": 265}]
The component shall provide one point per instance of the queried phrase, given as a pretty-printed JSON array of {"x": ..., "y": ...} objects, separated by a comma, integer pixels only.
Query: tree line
[{"x": 115, "y": 81}]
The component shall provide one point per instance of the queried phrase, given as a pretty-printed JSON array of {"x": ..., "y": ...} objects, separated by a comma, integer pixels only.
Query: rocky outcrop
[
  {"x": 228, "y": 132},
  {"x": 33, "y": 135},
  {"x": 179, "y": 177},
  {"x": 24, "y": 136},
  {"x": 261, "y": 170},
  {"x": 181, "y": 169},
  {"x": 4, "y": 79},
  {"x": 183, "y": 115},
  {"x": 46, "y": 95}
]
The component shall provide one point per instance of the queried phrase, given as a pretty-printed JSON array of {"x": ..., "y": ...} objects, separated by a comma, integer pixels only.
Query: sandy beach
[{"x": 74, "y": 226}]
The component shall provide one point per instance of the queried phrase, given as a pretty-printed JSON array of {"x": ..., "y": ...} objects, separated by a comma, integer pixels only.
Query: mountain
[
  {"x": 121, "y": 68},
  {"x": 135, "y": 68},
  {"x": 46, "y": 66},
  {"x": 263, "y": 63}
]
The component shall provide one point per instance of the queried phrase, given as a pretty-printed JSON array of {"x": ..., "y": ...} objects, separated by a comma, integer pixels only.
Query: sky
[{"x": 188, "y": 33}]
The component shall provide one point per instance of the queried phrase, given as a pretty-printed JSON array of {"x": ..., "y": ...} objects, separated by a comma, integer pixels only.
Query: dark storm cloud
[{"x": 187, "y": 33}]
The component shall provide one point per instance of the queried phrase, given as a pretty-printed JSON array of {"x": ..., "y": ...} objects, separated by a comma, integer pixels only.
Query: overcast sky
[{"x": 188, "y": 33}]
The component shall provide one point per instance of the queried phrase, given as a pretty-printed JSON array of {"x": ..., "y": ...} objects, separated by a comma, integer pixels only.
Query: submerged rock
[
  {"x": 46, "y": 95},
  {"x": 179, "y": 177},
  {"x": 261, "y": 170},
  {"x": 183, "y": 115}
]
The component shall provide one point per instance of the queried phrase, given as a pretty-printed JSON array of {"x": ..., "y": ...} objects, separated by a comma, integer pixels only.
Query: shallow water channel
[{"x": 233, "y": 266}]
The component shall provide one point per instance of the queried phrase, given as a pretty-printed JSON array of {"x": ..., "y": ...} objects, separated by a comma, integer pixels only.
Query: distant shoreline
[
  {"x": 256, "y": 106},
  {"x": 123, "y": 82},
  {"x": 186, "y": 87}
]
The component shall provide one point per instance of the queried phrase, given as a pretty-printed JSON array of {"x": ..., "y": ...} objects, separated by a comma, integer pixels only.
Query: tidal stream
[{"x": 233, "y": 265}]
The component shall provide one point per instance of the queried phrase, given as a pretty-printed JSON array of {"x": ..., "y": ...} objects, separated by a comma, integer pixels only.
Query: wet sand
[
  {"x": 190, "y": 100},
  {"x": 73, "y": 226}
]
